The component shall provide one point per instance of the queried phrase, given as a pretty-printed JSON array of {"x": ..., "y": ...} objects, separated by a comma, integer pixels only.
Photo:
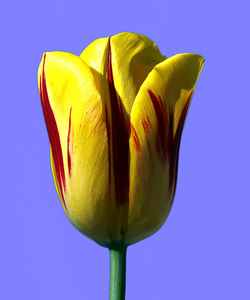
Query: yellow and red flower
[{"x": 114, "y": 117}]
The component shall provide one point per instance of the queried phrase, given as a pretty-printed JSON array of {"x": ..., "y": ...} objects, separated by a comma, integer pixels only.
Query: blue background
[{"x": 202, "y": 251}]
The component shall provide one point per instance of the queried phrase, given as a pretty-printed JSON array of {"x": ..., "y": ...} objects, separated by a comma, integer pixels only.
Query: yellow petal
[
  {"x": 157, "y": 120},
  {"x": 96, "y": 55},
  {"x": 133, "y": 56},
  {"x": 75, "y": 120}
]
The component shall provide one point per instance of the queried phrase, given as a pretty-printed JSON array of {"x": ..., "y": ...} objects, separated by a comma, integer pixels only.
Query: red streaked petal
[
  {"x": 53, "y": 133},
  {"x": 68, "y": 142},
  {"x": 118, "y": 137},
  {"x": 163, "y": 136},
  {"x": 135, "y": 137},
  {"x": 167, "y": 143},
  {"x": 175, "y": 144}
]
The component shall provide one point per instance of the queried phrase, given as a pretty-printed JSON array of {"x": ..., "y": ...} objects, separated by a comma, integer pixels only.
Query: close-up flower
[{"x": 114, "y": 117}]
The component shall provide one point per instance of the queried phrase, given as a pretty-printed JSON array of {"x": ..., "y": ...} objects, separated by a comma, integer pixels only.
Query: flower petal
[
  {"x": 75, "y": 118},
  {"x": 133, "y": 57},
  {"x": 157, "y": 119},
  {"x": 96, "y": 55}
]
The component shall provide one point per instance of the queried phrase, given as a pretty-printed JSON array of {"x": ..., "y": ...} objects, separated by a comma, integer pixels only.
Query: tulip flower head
[{"x": 114, "y": 117}]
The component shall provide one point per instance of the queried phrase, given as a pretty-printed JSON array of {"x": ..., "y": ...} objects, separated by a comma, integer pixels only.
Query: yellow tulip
[{"x": 114, "y": 117}]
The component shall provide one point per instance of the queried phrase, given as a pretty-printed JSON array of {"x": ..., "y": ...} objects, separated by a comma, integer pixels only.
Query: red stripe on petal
[
  {"x": 53, "y": 134},
  {"x": 109, "y": 146},
  {"x": 68, "y": 142},
  {"x": 145, "y": 125},
  {"x": 119, "y": 139},
  {"x": 168, "y": 144},
  {"x": 148, "y": 121},
  {"x": 135, "y": 137},
  {"x": 202, "y": 63},
  {"x": 163, "y": 124},
  {"x": 176, "y": 144}
]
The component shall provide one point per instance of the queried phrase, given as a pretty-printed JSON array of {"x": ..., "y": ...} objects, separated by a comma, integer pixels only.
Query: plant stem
[{"x": 117, "y": 273}]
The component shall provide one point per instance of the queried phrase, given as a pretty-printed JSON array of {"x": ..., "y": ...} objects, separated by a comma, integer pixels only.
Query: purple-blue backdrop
[{"x": 202, "y": 251}]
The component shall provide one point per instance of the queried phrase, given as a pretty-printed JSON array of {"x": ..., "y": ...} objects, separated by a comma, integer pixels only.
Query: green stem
[{"x": 117, "y": 273}]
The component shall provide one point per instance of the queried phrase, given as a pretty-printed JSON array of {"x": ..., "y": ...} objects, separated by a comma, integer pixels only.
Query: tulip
[{"x": 114, "y": 117}]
